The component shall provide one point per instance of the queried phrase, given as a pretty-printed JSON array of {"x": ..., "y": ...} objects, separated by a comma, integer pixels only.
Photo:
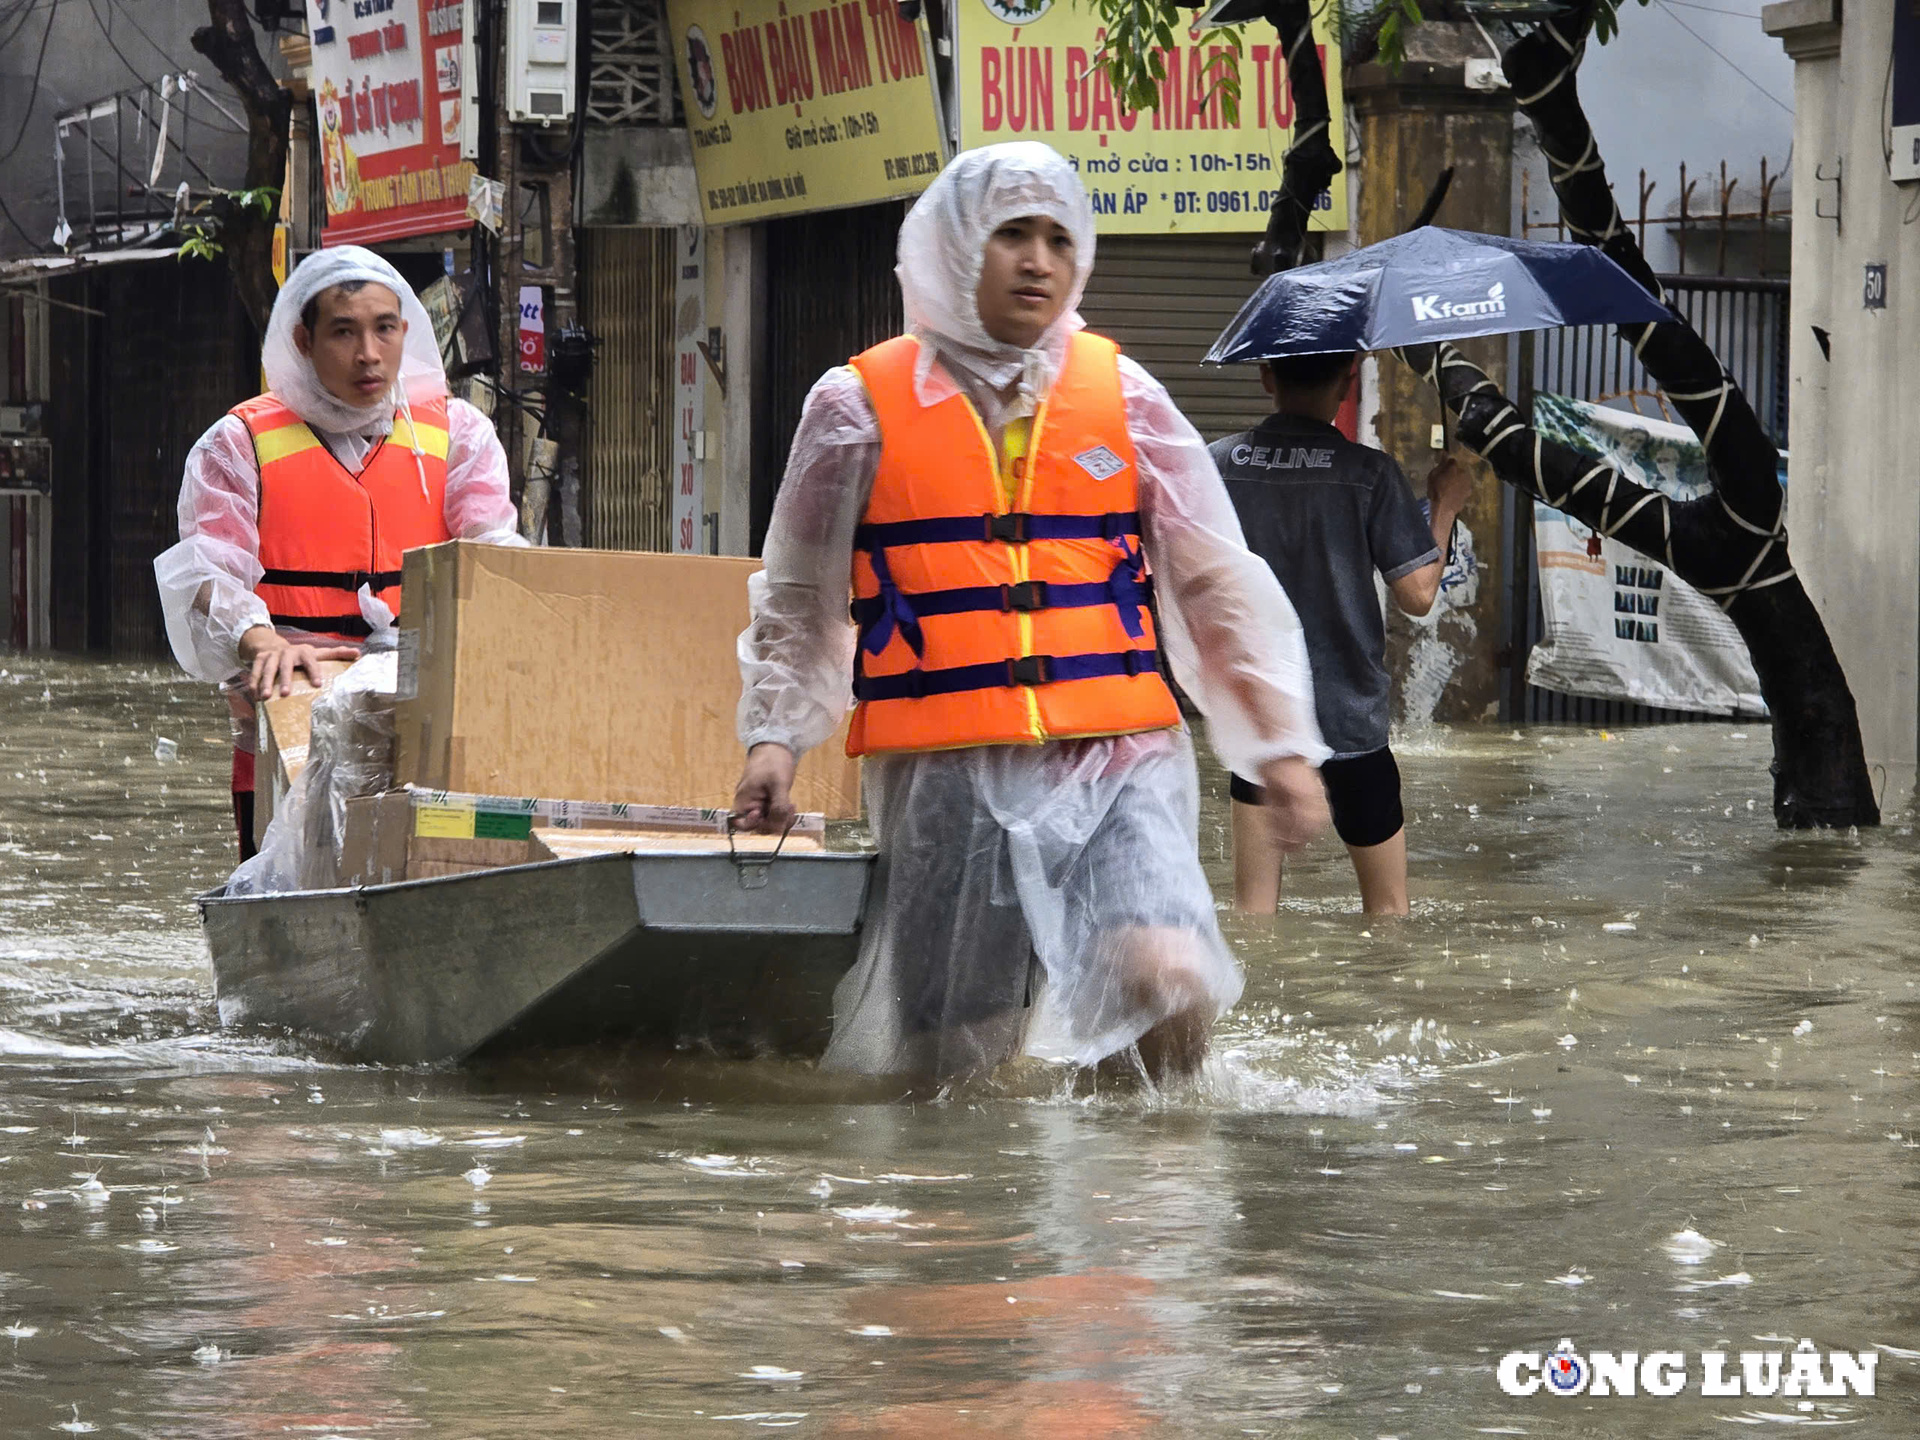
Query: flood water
[{"x": 1639, "y": 1072}]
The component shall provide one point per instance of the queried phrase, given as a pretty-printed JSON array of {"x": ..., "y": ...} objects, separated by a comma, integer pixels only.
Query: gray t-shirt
[{"x": 1326, "y": 513}]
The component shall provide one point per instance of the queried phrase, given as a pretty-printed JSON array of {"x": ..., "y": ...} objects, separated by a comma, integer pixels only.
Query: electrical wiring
[
  {"x": 33, "y": 89},
  {"x": 1749, "y": 15},
  {"x": 20, "y": 13},
  {"x": 4, "y": 210},
  {"x": 107, "y": 35},
  {"x": 1665, "y": 5},
  {"x": 21, "y": 19},
  {"x": 126, "y": 12}
]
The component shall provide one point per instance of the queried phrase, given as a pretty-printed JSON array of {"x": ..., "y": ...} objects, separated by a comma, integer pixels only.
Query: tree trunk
[
  {"x": 1730, "y": 545},
  {"x": 245, "y": 234},
  {"x": 1309, "y": 165}
]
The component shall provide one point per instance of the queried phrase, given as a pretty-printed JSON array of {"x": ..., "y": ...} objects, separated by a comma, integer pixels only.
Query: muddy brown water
[{"x": 1638, "y": 1073}]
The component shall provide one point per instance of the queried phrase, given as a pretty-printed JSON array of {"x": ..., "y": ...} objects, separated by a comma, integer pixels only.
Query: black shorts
[{"x": 1363, "y": 792}]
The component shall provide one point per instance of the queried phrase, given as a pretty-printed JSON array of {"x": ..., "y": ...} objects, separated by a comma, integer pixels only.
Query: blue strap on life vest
[
  {"x": 1015, "y": 528},
  {"x": 891, "y": 611},
  {"x": 1027, "y": 670},
  {"x": 1127, "y": 588}
]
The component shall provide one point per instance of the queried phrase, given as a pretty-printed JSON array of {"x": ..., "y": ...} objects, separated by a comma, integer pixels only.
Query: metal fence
[{"x": 1745, "y": 323}]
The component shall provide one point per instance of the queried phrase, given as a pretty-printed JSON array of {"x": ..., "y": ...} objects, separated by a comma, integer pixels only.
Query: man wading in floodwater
[
  {"x": 298, "y": 502},
  {"x": 1327, "y": 514},
  {"x": 992, "y": 488}
]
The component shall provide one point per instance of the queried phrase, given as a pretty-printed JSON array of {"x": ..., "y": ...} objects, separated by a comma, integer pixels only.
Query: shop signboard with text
[
  {"x": 798, "y": 105},
  {"x": 1027, "y": 71},
  {"x": 387, "y": 93}
]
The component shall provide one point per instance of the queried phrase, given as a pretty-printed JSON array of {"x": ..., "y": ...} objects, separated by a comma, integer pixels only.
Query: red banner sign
[{"x": 387, "y": 90}]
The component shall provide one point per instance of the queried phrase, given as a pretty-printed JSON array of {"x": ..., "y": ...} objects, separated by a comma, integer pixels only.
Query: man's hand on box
[
  {"x": 272, "y": 661},
  {"x": 764, "y": 800}
]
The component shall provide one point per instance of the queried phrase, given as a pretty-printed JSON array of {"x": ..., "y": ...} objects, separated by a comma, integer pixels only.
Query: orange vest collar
[{"x": 326, "y": 531}]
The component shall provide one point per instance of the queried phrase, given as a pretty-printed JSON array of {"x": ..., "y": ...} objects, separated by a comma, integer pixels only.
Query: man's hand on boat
[
  {"x": 764, "y": 801},
  {"x": 272, "y": 661}
]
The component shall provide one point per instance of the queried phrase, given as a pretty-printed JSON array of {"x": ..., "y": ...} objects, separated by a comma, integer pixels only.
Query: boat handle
[{"x": 752, "y": 869}]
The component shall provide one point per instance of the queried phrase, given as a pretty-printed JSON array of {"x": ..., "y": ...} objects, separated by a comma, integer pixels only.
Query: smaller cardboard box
[
  {"x": 429, "y": 856},
  {"x": 379, "y": 846},
  {"x": 414, "y": 834},
  {"x": 449, "y": 814},
  {"x": 284, "y": 729},
  {"x": 452, "y": 834},
  {"x": 572, "y": 844},
  {"x": 374, "y": 847}
]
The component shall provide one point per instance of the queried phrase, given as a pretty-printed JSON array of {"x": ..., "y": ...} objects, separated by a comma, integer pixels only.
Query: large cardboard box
[
  {"x": 598, "y": 673},
  {"x": 284, "y": 731}
]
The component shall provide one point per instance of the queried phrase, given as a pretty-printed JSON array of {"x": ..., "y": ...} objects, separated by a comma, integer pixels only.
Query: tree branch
[
  {"x": 1542, "y": 69},
  {"x": 1310, "y": 164},
  {"x": 246, "y": 235}
]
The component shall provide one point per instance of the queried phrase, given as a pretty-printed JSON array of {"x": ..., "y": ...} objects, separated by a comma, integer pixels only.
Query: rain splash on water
[{"x": 1638, "y": 1072}]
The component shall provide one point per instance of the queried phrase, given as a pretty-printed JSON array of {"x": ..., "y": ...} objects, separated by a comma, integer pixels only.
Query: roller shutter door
[
  {"x": 1165, "y": 300},
  {"x": 830, "y": 294},
  {"x": 627, "y": 282}
]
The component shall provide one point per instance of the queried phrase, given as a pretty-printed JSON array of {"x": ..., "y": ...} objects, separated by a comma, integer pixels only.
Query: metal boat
[{"x": 737, "y": 952}]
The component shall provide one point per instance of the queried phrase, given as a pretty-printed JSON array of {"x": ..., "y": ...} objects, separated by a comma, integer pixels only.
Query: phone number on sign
[
  {"x": 1234, "y": 202},
  {"x": 904, "y": 167}
]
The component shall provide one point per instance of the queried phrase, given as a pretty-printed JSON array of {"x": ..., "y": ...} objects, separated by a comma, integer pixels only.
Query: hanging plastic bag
[{"x": 350, "y": 753}]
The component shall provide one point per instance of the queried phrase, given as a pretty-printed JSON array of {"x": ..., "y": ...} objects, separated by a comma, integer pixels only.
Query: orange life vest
[
  {"x": 989, "y": 623},
  {"x": 325, "y": 531}
]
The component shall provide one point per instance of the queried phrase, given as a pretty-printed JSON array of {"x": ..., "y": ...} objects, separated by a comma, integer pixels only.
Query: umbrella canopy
[{"x": 1427, "y": 285}]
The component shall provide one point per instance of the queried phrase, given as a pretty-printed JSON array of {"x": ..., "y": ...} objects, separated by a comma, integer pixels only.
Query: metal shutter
[
  {"x": 1165, "y": 300},
  {"x": 627, "y": 283},
  {"x": 830, "y": 294}
]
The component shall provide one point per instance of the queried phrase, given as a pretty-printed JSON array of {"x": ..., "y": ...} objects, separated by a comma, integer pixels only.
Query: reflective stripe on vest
[
  {"x": 325, "y": 531},
  {"x": 989, "y": 623}
]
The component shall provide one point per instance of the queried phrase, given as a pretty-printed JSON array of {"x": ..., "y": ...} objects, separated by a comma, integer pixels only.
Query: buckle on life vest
[
  {"x": 1139, "y": 662},
  {"x": 1029, "y": 670},
  {"x": 1027, "y": 595},
  {"x": 1012, "y": 529}
]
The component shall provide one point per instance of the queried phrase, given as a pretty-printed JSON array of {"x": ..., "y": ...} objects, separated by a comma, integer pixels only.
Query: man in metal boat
[
  {"x": 995, "y": 489},
  {"x": 297, "y": 505}
]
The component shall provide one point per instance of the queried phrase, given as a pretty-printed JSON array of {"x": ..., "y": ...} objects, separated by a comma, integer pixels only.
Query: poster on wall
[
  {"x": 532, "y": 330},
  {"x": 387, "y": 87},
  {"x": 689, "y": 391},
  {"x": 1617, "y": 624},
  {"x": 1027, "y": 72},
  {"x": 1903, "y": 135},
  {"x": 799, "y": 105}
]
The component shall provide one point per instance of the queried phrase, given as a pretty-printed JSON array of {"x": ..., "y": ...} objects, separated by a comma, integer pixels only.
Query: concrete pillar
[
  {"x": 1853, "y": 511},
  {"x": 1412, "y": 125},
  {"x": 742, "y": 322}
]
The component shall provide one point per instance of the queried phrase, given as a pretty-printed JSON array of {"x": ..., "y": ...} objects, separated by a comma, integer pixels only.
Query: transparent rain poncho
[
  {"x": 1031, "y": 894},
  {"x": 207, "y": 580},
  {"x": 350, "y": 754}
]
